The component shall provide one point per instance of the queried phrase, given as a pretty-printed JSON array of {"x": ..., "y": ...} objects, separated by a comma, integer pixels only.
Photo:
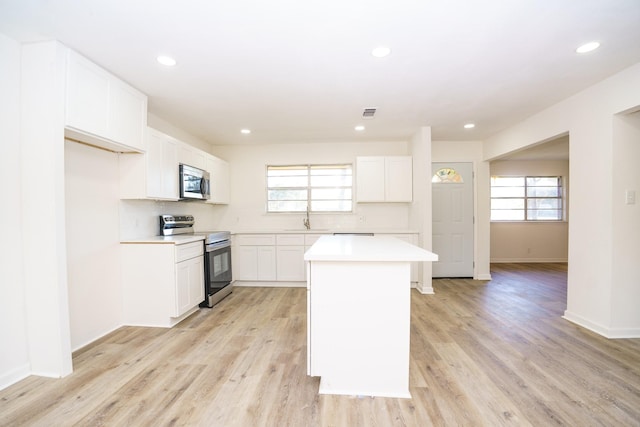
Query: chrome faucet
[{"x": 305, "y": 221}]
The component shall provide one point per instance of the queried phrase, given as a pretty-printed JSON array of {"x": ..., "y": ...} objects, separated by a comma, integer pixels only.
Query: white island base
[{"x": 358, "y": 309}]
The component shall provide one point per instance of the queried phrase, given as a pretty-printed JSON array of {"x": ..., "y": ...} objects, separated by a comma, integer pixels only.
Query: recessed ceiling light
[
  {"x": 166, "y": 60},
  {"x": 245, "y": 131},
  {"x": 588, "y": 47},
  {"x": 469, "y": 126},
  {"x": 381, "y": 51},
  {"x": 359, "y": 128}
]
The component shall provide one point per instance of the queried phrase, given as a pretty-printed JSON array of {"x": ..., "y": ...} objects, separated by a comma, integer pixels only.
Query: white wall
[
  {"x": 626, "y": 223},
  {"x": 420, "y": 211},
  {"x": 531, "y": 241},
  {"x": 471, "y": 151},
  {"x": 166, "y": 127},
  {"x": 93, "y": 257},
  {"x": 14, "y": 358},
  {"x": 247, "y": 210},
  {"x": 43, "y": 212},
  {"x": 588, "y": 118}
]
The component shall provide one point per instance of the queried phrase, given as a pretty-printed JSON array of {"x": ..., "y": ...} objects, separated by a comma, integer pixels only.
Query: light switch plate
[{"x": 630, "y": 197}]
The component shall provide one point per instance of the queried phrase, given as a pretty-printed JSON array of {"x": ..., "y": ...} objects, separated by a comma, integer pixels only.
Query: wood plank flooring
[{"x": 482, "y": 354}]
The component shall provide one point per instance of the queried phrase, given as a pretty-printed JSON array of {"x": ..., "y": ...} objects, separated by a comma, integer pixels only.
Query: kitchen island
[{"x": 358, "y": 314}]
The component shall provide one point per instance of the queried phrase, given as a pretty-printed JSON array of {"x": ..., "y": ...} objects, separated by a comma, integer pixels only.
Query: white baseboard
[
  {"x": 532, "y": 260},
  {"x": 486, "y": 276},
  {"x": 15, "y": 375},
  {"x": 266, "y": 284},
  {"x": 612, "y": 333}
]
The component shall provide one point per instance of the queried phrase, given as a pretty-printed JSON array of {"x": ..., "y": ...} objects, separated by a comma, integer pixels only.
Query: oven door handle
[{"x": 219, "y": 245}]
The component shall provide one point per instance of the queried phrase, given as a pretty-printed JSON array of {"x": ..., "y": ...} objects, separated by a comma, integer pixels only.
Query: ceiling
[{"x": 301, "y": 71}]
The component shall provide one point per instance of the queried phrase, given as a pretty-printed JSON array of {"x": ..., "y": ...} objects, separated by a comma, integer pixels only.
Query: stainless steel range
[{"x": 217, "y": 255}]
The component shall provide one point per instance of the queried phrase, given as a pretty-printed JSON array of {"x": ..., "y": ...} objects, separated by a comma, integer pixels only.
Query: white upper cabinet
[
  {"x": 154, "y": 174},
  {"x": 102, "y": 110},
  {"x": 162, "y": 166},
  {"x": 384, "y": 179},
  {"x": 219, "y": 174}
]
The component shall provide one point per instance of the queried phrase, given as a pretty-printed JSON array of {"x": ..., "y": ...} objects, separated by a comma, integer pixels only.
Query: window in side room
[{"x": 526, "y": 198}]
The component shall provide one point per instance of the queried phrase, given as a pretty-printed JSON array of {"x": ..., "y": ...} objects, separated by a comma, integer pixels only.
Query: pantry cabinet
[
  {"x": 384, "y": 179},
  {"x": 102, "y": 110}
]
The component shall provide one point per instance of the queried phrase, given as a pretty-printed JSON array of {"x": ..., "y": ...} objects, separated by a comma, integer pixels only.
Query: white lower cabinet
[
  {"x": 162, "y": 283},
  {"x": 280, "y": 257},
  {"x": 271, "y": 257},
  {"x": 290, "y": 257},
  {"x": 254, "y": 257},
  {"x": 189, "y": 284}
]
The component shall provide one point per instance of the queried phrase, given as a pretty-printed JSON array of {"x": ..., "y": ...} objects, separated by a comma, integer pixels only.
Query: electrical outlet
[{"x": 361, "y": 218}]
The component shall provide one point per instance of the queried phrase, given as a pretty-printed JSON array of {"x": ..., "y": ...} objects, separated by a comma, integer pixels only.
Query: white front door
[{"x": 453, "y": 219}]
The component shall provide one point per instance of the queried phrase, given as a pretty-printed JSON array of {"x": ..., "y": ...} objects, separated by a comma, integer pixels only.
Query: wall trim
[
  {"x": 532, "y": 260},
  {"x": 13, "y": 376},
  {"x": 611, "y": 333}
]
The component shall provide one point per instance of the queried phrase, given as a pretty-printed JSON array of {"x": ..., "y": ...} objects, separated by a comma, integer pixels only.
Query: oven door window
[{"x": 219, "y": 269}]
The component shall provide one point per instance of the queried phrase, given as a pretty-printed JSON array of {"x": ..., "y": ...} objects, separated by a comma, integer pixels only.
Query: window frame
[
  {"x": 308, "y": 188},
  {"x": 525, "y": 198}
]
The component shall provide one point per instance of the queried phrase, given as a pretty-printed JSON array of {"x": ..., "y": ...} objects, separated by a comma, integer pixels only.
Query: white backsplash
[{"x": 140, "y": 218}]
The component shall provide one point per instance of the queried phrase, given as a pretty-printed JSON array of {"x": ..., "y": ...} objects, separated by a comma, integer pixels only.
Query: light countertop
[
  {"x": 325, "y": 231},
  {"x": 366, "y": 248},
  {"x": 180, "y": 239}
]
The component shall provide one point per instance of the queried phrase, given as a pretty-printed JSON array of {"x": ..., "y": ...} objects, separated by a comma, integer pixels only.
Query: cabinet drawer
[
  {"x": 290, "y": 239},
  {"x": 189, "y": 250},
  {"x": 255, "y": 240}
]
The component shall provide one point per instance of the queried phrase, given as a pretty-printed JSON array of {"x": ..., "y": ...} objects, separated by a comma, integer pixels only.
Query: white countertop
[
  {"x": 366, "y": 248},
  {"x": 325, "y": 231},
  {"x": 180, "y": 239}
]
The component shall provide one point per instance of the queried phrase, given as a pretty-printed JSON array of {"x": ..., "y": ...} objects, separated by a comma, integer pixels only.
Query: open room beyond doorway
[{"x": 526, "y": 240}]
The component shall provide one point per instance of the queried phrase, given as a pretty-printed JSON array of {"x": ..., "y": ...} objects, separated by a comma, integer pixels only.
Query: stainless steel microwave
[{"x": 194, "y": 183}]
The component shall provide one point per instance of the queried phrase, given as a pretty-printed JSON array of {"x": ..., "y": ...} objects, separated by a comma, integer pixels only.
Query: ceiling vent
[{"x": 368, "y": 113}]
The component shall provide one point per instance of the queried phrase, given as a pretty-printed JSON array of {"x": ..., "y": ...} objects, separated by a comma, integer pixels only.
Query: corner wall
[
  {"x": 14, "y": 357},
  {"x": 588, "y": 118}
]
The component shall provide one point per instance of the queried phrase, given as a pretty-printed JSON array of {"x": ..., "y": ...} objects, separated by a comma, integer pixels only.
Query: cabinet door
[
  {"x": 127, "y": 115},
  {"x": 189, "y": 284},
  {"x": 170, "y": 170},
  {"x": 87, "y": 102},
  {"x": 219, "y": 171},
  {"x": 162, "y": 166},
  {"x": 182, "y": 287},
  {"x": 245, "y": 263},
  {"x": 370, "y": 178},
  {"x": 290, "y": 263},
  {"x": 155, "y": 141},
  {"x": 196, "y": 281},
  {"x": 398, "y": 179},
  {"x": 266, "y": 263}
]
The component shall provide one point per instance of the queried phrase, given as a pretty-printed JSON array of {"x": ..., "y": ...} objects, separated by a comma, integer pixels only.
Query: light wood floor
[{"x": 482, "y": 354}]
